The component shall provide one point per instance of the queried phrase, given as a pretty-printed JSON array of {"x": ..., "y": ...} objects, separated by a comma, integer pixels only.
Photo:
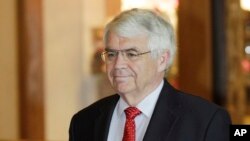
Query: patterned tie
[{"x": 129, "y": 131}]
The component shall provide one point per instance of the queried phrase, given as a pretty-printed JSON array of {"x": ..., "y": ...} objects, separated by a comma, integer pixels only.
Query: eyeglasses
[{"x": 128, "y": 54}]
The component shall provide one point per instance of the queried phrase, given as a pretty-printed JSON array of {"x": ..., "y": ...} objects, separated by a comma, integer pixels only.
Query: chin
[
  {"x": 122, "y": 86},
  {"x": 123, "y": 89}
]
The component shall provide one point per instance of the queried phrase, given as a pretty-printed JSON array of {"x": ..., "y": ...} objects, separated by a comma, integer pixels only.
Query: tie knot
[{"x": 132, "y": 112}]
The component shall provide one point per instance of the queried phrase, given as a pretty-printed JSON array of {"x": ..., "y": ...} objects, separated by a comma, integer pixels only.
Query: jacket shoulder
[
  {"x": 198, "y": 108},
  {"x": 94, "y": 108},
  {"x": 83, "y": 122},
  {"x": 196, "y": 103}
]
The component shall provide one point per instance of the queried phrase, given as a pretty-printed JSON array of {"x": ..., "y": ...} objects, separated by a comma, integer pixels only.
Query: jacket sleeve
[{"x": 218, "y": 127}]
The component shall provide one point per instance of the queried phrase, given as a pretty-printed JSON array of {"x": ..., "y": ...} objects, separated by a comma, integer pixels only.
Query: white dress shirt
[{"x": 146, "y": 106}]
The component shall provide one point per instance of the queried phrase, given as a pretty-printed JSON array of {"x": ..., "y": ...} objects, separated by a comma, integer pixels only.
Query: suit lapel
[
  {"x": 165, "y": 115},
  {"x": 103, "y": 120}
]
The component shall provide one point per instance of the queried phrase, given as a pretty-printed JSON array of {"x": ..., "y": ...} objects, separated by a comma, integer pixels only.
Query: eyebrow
[{"x": 129, "y": 49}]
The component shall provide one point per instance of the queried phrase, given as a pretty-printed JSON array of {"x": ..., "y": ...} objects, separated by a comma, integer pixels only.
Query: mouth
[{"x": 121, "y": 78}]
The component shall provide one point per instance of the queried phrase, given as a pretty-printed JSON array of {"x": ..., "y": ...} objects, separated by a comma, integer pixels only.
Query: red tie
[{"x": 129, "y": 131}]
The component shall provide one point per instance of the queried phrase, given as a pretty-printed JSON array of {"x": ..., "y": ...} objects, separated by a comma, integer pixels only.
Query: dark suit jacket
[{"x": 176, "y": 117}]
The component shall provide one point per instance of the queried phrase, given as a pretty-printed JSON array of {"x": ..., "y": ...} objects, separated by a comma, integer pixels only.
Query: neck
[{"x": 134, "y": 98}]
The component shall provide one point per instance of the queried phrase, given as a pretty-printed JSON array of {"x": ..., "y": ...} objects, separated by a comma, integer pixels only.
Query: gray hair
[{"x": 136, "y": 22}]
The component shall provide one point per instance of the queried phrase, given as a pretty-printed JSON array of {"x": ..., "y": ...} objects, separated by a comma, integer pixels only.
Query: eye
[
  {"x": 131, "y": 54},
  {"x": 111, "y": 54}
]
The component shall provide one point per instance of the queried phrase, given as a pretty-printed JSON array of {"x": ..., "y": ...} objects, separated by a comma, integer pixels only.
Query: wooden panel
[
  {"x": 236, "y": 80},
  {"x": 195, "y": 57},
  {"x": 31, "y": 69}
]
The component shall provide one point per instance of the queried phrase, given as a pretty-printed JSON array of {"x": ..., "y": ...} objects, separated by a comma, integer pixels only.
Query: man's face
[{"x": 136, "y": 76}]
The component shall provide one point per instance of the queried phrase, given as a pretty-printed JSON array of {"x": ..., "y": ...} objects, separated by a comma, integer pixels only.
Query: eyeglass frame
[{"x": 122, "y": 52}]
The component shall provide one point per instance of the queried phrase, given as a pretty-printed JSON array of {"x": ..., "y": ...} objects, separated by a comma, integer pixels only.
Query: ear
[{"x": 163, "y": 61}]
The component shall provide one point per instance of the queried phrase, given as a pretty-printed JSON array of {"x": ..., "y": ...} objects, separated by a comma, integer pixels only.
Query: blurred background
[{"x": 50, "y": 66}]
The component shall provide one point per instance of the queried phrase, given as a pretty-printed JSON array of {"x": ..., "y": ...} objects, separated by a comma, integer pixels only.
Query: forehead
[{"x": 118, "y": 42}]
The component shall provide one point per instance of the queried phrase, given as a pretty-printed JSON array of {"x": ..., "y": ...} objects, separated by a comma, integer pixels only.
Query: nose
[{"x": 120, "y": 61}]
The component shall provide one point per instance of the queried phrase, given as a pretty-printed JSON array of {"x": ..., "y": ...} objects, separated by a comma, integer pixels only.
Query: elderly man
[{"x": 139, "y": 49}]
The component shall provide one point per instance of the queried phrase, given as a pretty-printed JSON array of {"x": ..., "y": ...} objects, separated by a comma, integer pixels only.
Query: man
[{"x": 140, "y": 48}]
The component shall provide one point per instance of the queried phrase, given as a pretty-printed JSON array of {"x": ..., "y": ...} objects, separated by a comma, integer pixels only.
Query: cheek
[
  {"x": 148, "y": 70},
  {"x": 108, "y": 71},
  {"x": 139, "y": 72}
]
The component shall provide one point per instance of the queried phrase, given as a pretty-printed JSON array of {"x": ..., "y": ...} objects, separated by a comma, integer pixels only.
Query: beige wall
[
  {"x": 93, "y": 15},
  {"x": 67, "y": 46},
  {"x": 8, "y": 71},
  {"x": 67, "y": 50},
  {"x": 62, "y": 50}
]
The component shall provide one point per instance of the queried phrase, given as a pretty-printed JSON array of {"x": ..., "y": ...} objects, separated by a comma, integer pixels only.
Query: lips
[
  {"x": 121, "y": 78},
  {"x": 120, "y": 74}
]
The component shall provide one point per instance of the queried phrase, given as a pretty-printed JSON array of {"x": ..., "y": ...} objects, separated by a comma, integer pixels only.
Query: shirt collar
[{"x": 146, "y": 106}]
